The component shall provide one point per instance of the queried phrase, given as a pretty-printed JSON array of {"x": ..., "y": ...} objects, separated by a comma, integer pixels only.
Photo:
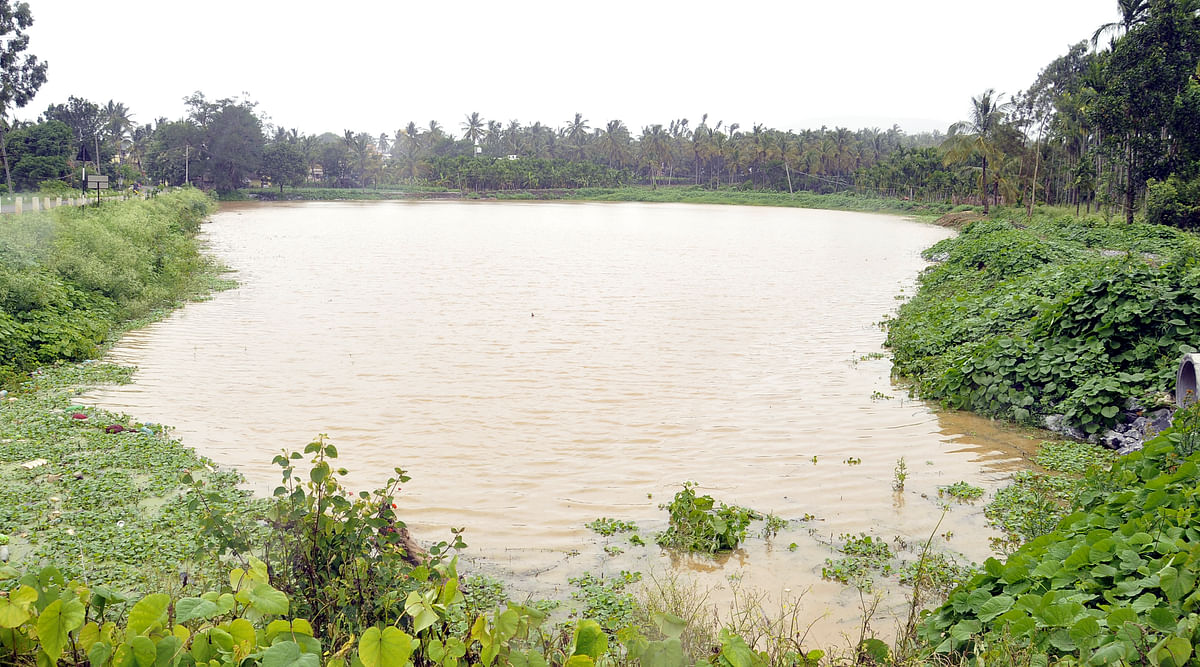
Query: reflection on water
[{"x": 535, "y": 366}]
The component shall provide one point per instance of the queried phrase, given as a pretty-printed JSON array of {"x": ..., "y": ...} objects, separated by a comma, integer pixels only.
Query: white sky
[{"x": 373, "y": 65}]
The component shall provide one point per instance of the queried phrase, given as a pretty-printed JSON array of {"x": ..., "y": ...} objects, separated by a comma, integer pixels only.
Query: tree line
[{"x": 1109, "y": 127}]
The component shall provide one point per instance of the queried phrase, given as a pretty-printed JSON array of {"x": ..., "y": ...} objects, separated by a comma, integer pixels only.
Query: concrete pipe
[{"x": 1185, "y": 385}]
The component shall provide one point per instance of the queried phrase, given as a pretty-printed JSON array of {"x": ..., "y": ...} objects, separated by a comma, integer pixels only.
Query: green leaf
[
  {"x": 89, "y": 634},
  {"x": 56, "y": 622},
  {"x": 423, "y": 618},
  {"x": 390, "y": 648},
  {"x": 963, "y": 630},
  {"x": 1173, "y": 652},
  {"x": 1175, "y": 583},
  {"x": 202, "y": 648},
  {"x": 190, "y": 609},
  {"x": 590, "y": 639},
  {"x": 149, "y": 611},
  {"x": 168, "y": 651},
  {"x": 877, "y": 650},
  {"x": 265, "y": 599},
  {"x": 506, "y": 624},
  {"x": 243, "y": 634},
  {"x": 670, "y": 625},
  {"x": 1113, "y": 653},
  {"x": 288, "y": 654},
  {"x": 258, "y": 571},
  {"x": 299, "y": 627},
  {"x": 994, "y": 607},
  {"x": 1110, "y": 411},
  {"x": 1162, "y": 619},
  {"x": 11, "y": 615},
  {"x": 223, "y": 641},
  {"x": 1085, "y": 632},
  {"x": 735, "y": 651},
  {"x": 144, "y": 653},
  {"x": 99, "y": 654}
]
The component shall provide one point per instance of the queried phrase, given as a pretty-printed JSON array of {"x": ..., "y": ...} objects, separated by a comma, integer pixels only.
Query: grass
[
  {"x": 667, "y": 194},
  {"x": 73, "y": 279}
]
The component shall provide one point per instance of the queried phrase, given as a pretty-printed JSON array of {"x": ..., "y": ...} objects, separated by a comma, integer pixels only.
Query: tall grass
[{"x": 71, "y": 276}]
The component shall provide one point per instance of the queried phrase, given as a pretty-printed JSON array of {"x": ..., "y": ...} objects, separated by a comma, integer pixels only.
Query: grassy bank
[
  {"x": 674, "y": 194},
  {"x": 71, "y": 278},
  {"x": 93, "y": 491},
  {"x": 97, "y": 493},
  {"x": 1057, "y": 315}
]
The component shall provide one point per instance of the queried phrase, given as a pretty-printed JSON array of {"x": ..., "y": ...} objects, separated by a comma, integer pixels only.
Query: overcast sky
[{"x": 373, "y": 65}]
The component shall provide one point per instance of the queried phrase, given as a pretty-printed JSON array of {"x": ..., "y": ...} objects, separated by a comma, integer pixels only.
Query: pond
[{"x": 537, "y": 365}]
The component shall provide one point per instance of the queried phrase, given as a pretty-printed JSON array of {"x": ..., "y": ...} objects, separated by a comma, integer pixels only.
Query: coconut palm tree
[
  {"x": 473, "y": 128},
  {"x": 577, "y": 132},
  {"x": 118, "y": 124},
  {"x": 976, "y": 137},
  {"x": 1133, "y": 12}
]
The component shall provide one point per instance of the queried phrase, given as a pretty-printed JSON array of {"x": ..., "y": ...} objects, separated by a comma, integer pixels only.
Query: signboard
[{"x": 97, "y": 182}]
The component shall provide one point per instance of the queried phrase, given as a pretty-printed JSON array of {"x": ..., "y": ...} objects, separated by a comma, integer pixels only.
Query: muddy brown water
[{"x": 535, "y": 366}]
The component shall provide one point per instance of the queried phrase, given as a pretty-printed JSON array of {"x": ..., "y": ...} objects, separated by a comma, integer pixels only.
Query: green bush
[
  {"x": 1173, "y": 202},
  {"x": 1057, "y": 317},
  {"x": 1114, "y": 582},
  {"x": 56, "y": 188},
  {"x": 70, "y": 277}
]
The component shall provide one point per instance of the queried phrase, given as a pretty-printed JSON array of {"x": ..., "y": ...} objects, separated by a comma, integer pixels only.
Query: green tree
[
  {"x": 283, "y": 162},
  {"x": 1142, "y": 107},
  {"x": 40, "y": 152},
  {"x": 976, "y": 138},
  {"x": 233, "y": 145},
  {"x": 21, "y": 74},
  {"x": 653, "y": 147},
  {"x": 172, "y": 152},
  {"x": 86, "y": 121}
]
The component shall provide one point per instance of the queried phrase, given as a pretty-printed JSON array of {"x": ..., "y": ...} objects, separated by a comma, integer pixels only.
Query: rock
[
  {"x": 1132, "y": 405},
  {"x": 939, "y": 257},
  {"x": 1058, "y": 424},
  {"x": 1112, "y": 439},
  {"x": 30, "y": 465},
  {"x": 1130, "y": 447},
  {"x": 1159, "y": 420}
]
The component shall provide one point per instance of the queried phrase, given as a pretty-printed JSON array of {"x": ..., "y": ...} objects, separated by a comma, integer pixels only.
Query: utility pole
[{"x": 187, "y": 154}]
